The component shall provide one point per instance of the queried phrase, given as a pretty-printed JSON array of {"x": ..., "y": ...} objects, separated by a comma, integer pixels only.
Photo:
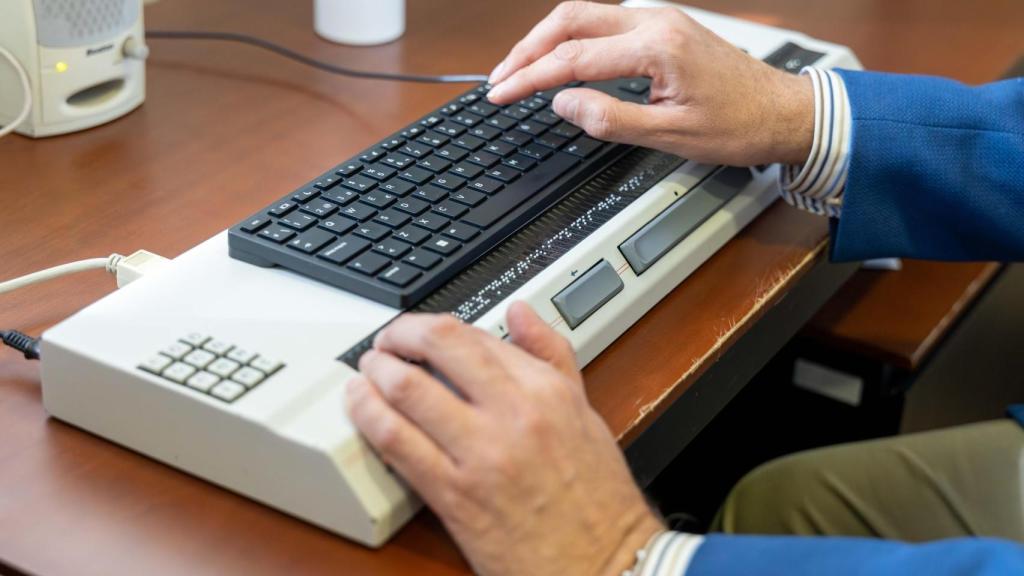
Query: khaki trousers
[{"x": 964, "y": 481}]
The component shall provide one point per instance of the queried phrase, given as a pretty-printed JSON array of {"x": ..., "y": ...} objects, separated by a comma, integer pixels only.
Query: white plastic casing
[
  {"x": 288, "y": 442},
  {"x": 61, "y": 100}
]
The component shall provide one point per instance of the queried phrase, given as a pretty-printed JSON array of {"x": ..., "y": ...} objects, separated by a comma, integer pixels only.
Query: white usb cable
[
  {"x": 126, "y": 268},
  {"x": 26, "y": 87}
]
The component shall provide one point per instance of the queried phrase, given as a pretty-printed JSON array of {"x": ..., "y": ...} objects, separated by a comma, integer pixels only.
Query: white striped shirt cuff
[
  {"x": 817, "y": 186},
  {"x": 667, "y": 554}
]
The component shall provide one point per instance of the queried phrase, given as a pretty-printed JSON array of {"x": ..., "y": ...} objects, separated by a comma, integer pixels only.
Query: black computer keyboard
[{"x": 396, "y": 222}]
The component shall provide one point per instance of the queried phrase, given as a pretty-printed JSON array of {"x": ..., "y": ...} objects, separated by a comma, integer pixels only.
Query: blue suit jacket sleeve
[
  {"x": 936, "y": 170},
  {"x": 724, "y": 555}
]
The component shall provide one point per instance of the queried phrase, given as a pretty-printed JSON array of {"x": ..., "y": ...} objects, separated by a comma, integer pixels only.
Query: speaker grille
[{"x": 70, "y": 23}]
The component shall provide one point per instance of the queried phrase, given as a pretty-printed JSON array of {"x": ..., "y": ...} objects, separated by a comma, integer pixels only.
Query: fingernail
[
  {"x": 496, "y": 73},
  {"x": 496, "y": 91},
  {"x": 565, "y": 105}
]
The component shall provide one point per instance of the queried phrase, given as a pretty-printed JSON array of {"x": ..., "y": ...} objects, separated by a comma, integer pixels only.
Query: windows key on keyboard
[{"x": 399, "y": 219}]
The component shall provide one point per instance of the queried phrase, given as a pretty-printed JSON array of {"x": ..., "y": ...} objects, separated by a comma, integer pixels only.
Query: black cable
[
  {"x": 288, "y": 53},
  {"x": 23, "y": 343}
]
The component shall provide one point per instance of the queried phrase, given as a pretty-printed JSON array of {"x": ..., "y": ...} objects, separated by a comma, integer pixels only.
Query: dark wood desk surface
[{"x": 225, "y": 129}]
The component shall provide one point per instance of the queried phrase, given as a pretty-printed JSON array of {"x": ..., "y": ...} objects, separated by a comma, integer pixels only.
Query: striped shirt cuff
[
  {"x": 817, "y": 186},
  {"x": 667, "y": 554}
]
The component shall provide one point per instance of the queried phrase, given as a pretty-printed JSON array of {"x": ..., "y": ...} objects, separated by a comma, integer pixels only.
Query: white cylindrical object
[{"x": 359, "y": 22}]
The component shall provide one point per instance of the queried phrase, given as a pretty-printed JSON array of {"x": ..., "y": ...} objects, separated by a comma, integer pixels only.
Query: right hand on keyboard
[{"x": 709, "y": 101}]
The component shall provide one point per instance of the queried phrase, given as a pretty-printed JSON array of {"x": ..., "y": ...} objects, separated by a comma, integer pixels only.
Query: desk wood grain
[{"x": 226, "y": 129}]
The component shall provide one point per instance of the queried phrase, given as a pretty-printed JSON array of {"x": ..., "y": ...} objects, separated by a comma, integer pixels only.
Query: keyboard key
[
  {"x": 348, "y": 168},
  {"x": 500, "y": 148},
  {"x": 547, "y": 117},
  {"x": 583, "y": 146},
  {"x": 468, "y": 197},
  {"x": 248, "y": 376},
  {"x": 486, "y": 185},
  {"x": 358, "y": 212},
  {"x": 449, "y": 129},
  {"x": 415, "y": 149},
  {"x": 484, "y": 131},
  {"x": 433, "y": 139},
  {"x": 535, "y": 151},
  {"x": 227, "y": 390},
  {"x": 528, "y": 186},
  {"x": 398, "y": 161},
  {"x": 566, "y": 130},
  {"x": 298, "y": 221},
  {"x": 452, "y": 153},
  {"x": 392, "y": 218},
  {"x": 422, "y": 259},
  {"x": 501, "y": 122},
  {"x": 534, "y": 103},
  {"x": 176, "y": 350},
  {"x": 449, "y": 109},
  {"x": 520, "y": 162},
  {"x": 634, "y": 86},
  {"x": 442, "y": 245},
  {"x": 412, "y": 235},
  {"x": 468, "y": 142},
  {"x": 552, "y": 141},
  {"x": 397, "y": 187},
  {"x": 372, "y": 156},
  {"x": 449, "y": 181},
  {"x": 392, "y": 143},
  {"x": 178, "y": 372},
  {"x": 369, "y": 263},
  {"x": 467, "y": 170},
  {"x": 337, "y": 224},
  {"x": 379, "y": 172},
  {"x": 469, "y": 98},
  {"x": 413, "y": 132},
  {"x": 392, "y": 248},
  {"x": 195, "y": 338},
  {"x": 532, "y": 128},
  {"x": 516, "y": 138},
  {"x": 431, "y": 193},
  {"x": 276, "y": 234},
  {"x": 483, "y": 109},
  {"x": 378, "y": 199},
  {"x": 504, "y": 173},
  {"x": 340, "y": 196},
  {"x": 266, "y": 364},
  {"x": 466, "y": 119},
  {"x": 450, "y": 209},
  {"x": 310, "y": 242},
  {"x": 282, "y": 208},
  {"x": 517, "y": 112},
  {"x": 461, "y": 232},
  {"x": 359, "y": 183},
  {"x": 432, "y": 222},
  {"x": 416, "y": 175},
  {"x": 400, "y": 275},
  {"x": 484, "y": 159},
  {"x": 255, "y": 223},
  {"x": 156, "y": 364},
  {"x": 434, "y": 163},
  {"x": 223, "y": 367},
  {"x": 412, "y": 206},
  {"x": 344, "y": 250},
  {"x": 199, "y": 358},
  {"x": 305, "y": 195},
  {"x": 320, "y": 208},
  {"x": 202, "y": 381},
  {"x": 241, "y": 355},
  {"x": 372, "y": 231}
]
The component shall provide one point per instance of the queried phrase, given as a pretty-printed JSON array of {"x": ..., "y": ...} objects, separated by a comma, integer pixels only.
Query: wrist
[
  {"x": 793, "y": 112},
  {"x": 635, "y": 538}
]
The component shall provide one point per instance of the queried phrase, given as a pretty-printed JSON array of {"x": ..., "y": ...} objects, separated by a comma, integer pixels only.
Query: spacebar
[{"x": 520, "y": 191}]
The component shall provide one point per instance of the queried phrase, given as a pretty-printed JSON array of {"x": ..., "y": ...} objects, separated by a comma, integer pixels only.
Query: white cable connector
[{"x": 127, "y": 269}]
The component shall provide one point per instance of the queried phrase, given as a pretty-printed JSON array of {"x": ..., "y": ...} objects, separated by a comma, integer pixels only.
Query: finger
[
  {"x": 532, "y": 334},
  {"x": 451, "y": 347},
  {"x": 419, "y": 461},
  {"x": 607, "y": 118},
  {"x": 588, "y": 59},
  {"x": 567, "y": 20},
  {"x": 421, "y": 398}
]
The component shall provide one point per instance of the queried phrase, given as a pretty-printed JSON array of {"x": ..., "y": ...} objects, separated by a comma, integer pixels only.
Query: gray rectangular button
[
  {"x": 589, "y": 292},
  {"x": 682, "y": 217}
]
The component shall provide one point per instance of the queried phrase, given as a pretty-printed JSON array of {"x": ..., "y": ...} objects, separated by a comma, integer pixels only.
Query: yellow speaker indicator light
[{"x": 61, "y": 67}]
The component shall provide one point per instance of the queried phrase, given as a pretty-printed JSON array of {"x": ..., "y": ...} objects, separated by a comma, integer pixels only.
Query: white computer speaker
[{"x": 84, "y": 61}]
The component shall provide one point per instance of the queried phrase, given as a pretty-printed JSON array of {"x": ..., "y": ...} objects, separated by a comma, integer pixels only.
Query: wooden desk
[{"x": 225, "y": 129}]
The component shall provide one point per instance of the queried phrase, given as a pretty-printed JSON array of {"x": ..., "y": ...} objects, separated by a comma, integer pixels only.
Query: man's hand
[
  {"x": 521, "y": 470},
  {"x": 709, "y": 101}
]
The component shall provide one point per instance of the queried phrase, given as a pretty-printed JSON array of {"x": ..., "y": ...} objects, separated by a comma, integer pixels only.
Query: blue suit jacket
[{"x": 936, "y": 171}]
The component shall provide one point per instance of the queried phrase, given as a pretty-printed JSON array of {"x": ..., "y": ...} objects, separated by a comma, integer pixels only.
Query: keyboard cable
[
  {"x": 319, "y": 64},
  {"x": 126, "y": 270},
  {"x": 26, "y": 90}
]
